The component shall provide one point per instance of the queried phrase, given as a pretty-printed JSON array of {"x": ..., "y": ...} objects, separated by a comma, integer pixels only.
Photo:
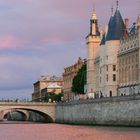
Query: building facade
[
  {"x": 129, "y": 62},
  {"x": 47, "y": 84},
  {"x": 113, "y": 57},
  {"x": 68, "y": 75}
]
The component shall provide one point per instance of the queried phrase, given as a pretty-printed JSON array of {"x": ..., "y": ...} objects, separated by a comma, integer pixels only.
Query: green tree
[
  {"x": 79, "y": 81},
  {"x": 53, "y": 97}
]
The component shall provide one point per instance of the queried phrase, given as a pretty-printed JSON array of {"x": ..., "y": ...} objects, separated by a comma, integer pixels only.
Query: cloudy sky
[{"x": 41, "y": 37}]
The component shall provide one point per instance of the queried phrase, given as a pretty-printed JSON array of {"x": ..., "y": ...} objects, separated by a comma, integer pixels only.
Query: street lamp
[{"x": 134, "y": 90}]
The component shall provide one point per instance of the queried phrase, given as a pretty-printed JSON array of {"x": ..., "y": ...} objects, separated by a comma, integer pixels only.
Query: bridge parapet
[{"x": 27, "y": 103}]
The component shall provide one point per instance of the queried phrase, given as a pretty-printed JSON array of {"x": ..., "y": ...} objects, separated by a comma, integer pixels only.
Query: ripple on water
[{"x": 65, "y": 132}]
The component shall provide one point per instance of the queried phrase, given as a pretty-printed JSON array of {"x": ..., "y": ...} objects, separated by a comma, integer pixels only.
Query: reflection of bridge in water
[{"x": 46, "y": 110}]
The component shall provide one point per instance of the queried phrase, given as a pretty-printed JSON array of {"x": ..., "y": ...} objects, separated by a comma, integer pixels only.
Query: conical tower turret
[
  {"x": 94, "y": 29},
  {"x": 92, "y": 41},
  {"x": 116, "y": 26}
]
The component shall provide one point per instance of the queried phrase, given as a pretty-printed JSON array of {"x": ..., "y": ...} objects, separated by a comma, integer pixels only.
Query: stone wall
[{"x": 106, "y": 111}]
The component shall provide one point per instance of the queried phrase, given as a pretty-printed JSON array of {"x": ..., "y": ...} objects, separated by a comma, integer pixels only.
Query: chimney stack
[{"x": 126, "y": 23}]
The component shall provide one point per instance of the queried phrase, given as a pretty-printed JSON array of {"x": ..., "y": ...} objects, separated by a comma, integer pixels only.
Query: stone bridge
[
  {"x": 24, "y": 113},
  {"x": 47, "y": 110}
]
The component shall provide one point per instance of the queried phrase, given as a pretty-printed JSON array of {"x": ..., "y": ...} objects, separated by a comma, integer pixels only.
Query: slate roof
[
  {"x": 116, "y": 27},
  {"x": 133, "y": 29}
]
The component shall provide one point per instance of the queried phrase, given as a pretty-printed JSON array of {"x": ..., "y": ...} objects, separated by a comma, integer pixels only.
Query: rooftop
[{"x": 116, "y": 27}]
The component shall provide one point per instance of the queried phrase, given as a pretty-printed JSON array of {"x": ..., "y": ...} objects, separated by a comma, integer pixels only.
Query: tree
[
  {"x": 79, "y": 81},
  {"x": 54, "y": 97}
]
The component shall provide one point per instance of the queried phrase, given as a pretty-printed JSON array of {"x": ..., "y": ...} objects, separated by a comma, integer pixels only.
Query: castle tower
[
  {"x": 92, "y": 41},
  {"x": 116, "y": 30},
  {"x": 103, "y": 66}
]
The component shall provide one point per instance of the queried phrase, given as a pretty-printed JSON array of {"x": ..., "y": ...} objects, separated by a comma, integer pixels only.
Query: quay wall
[{"x": 117, "y": 111}]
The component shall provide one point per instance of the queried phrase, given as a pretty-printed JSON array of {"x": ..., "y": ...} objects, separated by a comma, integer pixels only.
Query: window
[
  {"x": 100, "y": 70},
  {"x": 136, "y": 57},
  {"x": 107, "y": 77},
  {"x": 126, "y": 60},
  {"x": 120, "y": 62},
  {"x": 114, "y": 67},
  {"x": 114, "y": 77},
  {"x": 132, "y": 58},
  {"x": 107, "y": 68},
  {"x": 110, "y": 93},
  {"x": 129, "y": 59},
  {"x": 106, "y": 57}
]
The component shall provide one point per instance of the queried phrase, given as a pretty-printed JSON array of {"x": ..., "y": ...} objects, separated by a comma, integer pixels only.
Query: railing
[
  {"x": 103, "y": 99},
  {"x": 25, "y": 103}
]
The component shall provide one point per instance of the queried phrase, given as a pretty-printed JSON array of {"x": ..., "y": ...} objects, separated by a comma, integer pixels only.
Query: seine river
[{"x": 28, "y": 131}]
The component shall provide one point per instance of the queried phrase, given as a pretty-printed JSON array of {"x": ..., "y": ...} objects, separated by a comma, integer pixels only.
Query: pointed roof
[
  {"x": 94, "y": 16},
  {"x": 116, "y": 27},
  {"x": 94, "y": 20}
]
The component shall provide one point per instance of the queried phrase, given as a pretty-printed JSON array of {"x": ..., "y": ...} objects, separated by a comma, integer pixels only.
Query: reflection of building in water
[
  {"x": 113, "y": 60},
  {"x": 47, "y": 84}
]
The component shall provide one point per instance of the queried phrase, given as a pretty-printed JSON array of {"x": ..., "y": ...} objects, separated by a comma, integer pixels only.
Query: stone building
[
  {"x": 129, "y": 62},
  {"x": 47, "y": 84},
  {"x": 68, "y": 75},
  {"x": 113, "y": 57}
]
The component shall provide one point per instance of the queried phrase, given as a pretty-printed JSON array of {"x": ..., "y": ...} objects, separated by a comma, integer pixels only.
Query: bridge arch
[
  {"x": 47, "y": 118},
  {"x": 44, "y": 109},
  {"x": 23, "y": 112}
]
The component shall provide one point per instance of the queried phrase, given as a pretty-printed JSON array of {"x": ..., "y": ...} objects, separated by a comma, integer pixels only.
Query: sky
[{"x": 41, "y": 37}]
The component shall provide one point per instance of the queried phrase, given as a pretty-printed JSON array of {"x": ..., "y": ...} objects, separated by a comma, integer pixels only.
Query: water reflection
[{"x": 66, "y": 132}]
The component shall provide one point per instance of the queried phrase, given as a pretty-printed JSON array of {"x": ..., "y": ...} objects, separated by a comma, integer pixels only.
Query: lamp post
[
  {"x": 134, "y": 90},
  {"x": 139, "y": 88},
  {"x": 62, "y": 99}
]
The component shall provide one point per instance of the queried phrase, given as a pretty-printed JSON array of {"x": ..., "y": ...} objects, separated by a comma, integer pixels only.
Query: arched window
[{"x": 110, "y": 93}]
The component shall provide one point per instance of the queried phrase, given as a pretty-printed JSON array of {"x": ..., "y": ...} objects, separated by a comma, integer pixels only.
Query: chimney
[
  {"x": 126, "y": 23},
  {"x": 138, "y": 23},
  {"x": 106, "y": 30}
]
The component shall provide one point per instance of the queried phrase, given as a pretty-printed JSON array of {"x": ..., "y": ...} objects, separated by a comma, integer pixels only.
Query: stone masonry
[{"x": 123, "y": 111}]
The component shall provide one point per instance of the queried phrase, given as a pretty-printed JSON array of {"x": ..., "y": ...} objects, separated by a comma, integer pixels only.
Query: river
[{"x": 30, "y": 131}]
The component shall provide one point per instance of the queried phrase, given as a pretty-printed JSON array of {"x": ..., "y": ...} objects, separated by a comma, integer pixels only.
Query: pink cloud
[
  {"x": 53, "y": 39},
  {"x": 8, "y": 41},
  {"x": 12, "y": 42}
]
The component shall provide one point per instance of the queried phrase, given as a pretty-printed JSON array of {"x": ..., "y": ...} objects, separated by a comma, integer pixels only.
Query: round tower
[
  {"x": 92, "y": 41},
  {"x": 116, "y": 30}
]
